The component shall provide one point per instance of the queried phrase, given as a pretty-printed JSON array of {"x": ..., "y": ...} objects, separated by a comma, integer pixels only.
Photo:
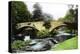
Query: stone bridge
[{"x": 39, "y": 25}]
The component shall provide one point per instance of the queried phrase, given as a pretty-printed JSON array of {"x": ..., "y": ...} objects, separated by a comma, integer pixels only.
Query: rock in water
[{"x": 27, "y": 38}]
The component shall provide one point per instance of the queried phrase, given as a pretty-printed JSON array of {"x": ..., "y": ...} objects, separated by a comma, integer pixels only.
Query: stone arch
[
  {"x": 56, "y": 28},
  {"x": 28, "y": 30}
]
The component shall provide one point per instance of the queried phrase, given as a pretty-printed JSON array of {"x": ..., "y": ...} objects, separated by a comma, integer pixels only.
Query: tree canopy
[
  {"x": 71, "y": 18},
  {"x": 71, "y": 15},
  {"x": 37, "y": 13},
  {"x": 19, "y": 13}
]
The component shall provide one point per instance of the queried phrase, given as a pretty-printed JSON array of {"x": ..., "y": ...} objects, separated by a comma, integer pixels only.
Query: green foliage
[
  {"x": 18, "y": 44},
  {"x": 69, "y": 18},
  {"x": 47, "y": 24},
  {"x": 43, "y": 33},
  {"x": 19, "y": 11},
  {"x": 71, "y": 15}
]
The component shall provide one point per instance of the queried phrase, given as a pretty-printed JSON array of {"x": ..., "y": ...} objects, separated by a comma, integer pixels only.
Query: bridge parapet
[{"x": 39, "y": 25}]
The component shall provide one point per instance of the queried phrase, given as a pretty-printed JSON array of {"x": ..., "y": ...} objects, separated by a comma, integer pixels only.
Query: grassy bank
[{"x": 68, "y": 44}]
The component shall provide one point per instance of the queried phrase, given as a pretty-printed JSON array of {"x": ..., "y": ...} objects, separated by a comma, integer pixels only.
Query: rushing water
[
  {"x": 41, "y": 44},
  {"x": 47, "y": 43},
  {"x": 38, "y": 46}
]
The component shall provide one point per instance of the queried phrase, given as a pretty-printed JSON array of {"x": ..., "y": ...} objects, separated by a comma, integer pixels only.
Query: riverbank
[{"x": 68, "y": 44}]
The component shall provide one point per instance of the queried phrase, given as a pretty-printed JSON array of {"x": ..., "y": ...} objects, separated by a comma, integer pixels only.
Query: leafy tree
[
  {"x": 47, "y": 20},
  {"x": 19, "y": 13},
  {"x": 71, "y": 15},
  {"x": 37, "y": 13},
  {"x": 71, "y": 18},
  {"x": 76, "y": 14}
]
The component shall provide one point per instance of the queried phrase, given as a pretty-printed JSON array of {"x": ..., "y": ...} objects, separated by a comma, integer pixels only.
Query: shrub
[
  {"x": 18, "y": 44},
  {"x": 53, "y": 33},
  {"x": 47, "y": 24},
  {"x": 43, "y": 33}
]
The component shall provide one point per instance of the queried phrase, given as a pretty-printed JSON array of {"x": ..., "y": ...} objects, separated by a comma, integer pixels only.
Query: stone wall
[{"x": 39, "y": 25}]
